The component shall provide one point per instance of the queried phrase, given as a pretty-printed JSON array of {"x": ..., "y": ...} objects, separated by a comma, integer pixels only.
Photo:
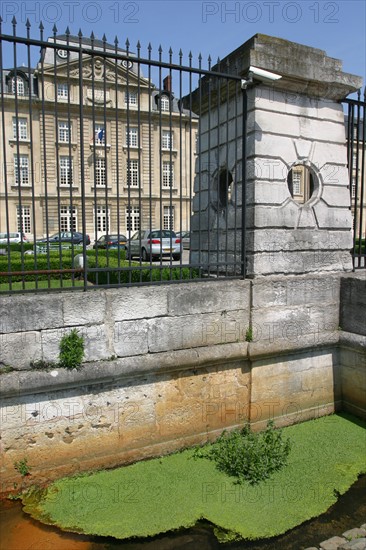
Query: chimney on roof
[{"x": 167, "y": 83}]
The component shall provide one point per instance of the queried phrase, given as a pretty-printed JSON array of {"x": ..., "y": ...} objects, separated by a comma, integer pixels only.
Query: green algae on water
[{"x": 175, "y": 491}]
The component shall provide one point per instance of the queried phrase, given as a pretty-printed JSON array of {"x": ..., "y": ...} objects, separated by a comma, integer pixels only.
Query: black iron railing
[
  {"x": 356, "y": 146},
  {"x": 99, "y": 140}
]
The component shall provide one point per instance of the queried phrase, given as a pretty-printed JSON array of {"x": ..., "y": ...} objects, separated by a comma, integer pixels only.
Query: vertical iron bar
[
  {"x": 128, "y": 174},
  {"x": 171, "y": 169},
  {"x": 82, "y": 165},
  {"x": 362, "y": 245},
  {"x": 160, "y": 154},
  {"x": 182, "y": 200},
  {"x": 139, "y": 136},
  {"x": 58, "y": 150},
  {"x": 220, "y": 207},
  {"x": 208, "y": 171},
  {"x": 117, "y": 170},
  {"x": 19, "y": 212},
  {"x": 200, "y": 131},
  {"x": 70, "y": 174},
  {"x": 44, "y": 147},
  {"x": 191, "y": 178},
  {"x": 227, "y": 178},
  {"x": 235, "y": 183},
  {"x": 6, "y": 196},
  {"x": 105, "y": 221},
  {"x": 32, "y": 163},
  {"x": 93, "y": 172},
  {"x": 244, "y": 183},
  {"x": 150, "y": 123}
]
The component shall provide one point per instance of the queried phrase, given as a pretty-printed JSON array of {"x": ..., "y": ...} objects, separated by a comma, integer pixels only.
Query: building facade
[{"x": 92, "y": 145}]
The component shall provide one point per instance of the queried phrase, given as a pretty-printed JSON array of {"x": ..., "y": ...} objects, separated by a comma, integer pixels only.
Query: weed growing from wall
[
  {"x": 249, "y": 334},
  {"x": 22, "y": 467},
  {"x": 71, "y": 350}
]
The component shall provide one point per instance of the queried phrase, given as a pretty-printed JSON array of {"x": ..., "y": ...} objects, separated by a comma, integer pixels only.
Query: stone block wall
[
  {"x": 353, "y": 343},
  {"x": 184, "y": 367},
  {"x": 124, "y": 322}
]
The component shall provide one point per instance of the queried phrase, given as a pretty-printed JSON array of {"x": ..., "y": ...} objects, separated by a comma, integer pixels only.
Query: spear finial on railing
[
  {"x": 41, "y": 29},
  {"x": 14, "y": 23}
]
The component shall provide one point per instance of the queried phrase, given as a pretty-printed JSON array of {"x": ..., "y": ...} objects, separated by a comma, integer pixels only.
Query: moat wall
[
  {"x": 182, "y": 368},
  {"x": 171, "y": 365}
]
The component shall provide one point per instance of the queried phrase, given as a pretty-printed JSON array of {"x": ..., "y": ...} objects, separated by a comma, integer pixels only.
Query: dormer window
[
  {"x": 17, "y": 85},
  {"x": 164, "y": 103}
]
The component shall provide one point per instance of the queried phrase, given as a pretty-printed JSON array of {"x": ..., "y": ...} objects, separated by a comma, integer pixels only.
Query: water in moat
[{"x": 20, "y": 532}]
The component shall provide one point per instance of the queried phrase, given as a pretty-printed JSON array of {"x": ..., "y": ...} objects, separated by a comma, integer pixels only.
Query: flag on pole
[{"x": 100, "y": 134}]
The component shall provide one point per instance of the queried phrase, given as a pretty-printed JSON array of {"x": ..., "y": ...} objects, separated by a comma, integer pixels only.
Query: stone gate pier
[{"x": 297, "y": 200}]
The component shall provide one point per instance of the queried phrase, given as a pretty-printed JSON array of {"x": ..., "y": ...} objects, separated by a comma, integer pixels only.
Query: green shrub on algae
[
  {"x": 248, "y": 456},
  {"x": 159, "y": 495}
]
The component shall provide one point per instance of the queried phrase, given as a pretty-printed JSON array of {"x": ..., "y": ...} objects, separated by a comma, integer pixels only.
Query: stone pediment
[{"x": 102, "y": 70}]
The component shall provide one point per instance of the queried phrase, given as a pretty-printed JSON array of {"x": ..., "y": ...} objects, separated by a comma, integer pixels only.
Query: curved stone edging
[{"x": 353, "y": 539}]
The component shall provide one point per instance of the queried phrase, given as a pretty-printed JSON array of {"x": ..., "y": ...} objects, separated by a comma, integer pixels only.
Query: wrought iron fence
[
  {"x": 99, "y": 145},
  {"x": 356, "y": 146}
]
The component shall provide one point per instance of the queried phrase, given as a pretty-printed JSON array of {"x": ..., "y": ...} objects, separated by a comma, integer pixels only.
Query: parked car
[
  {"x": 148, "y": 244},
  {"x": 14, "y": 237},
  {"x": 66, "y": 237},
  {"x": 111, "y": 241},
  {"x": 185, "y": 236}
]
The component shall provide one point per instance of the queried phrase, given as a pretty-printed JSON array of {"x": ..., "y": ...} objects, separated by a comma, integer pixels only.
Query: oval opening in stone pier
[{"x": 302, "y": 183}]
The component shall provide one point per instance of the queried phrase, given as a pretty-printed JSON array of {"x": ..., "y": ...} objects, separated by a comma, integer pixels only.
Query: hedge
[
  {"x": 20, "y": 262},
  {"x": 108, "y": 259},
  {"x": 133, "y": 273}
]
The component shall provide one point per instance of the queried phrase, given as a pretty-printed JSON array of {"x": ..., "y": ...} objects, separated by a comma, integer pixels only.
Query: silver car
[
  {"x": 156, "y": 243},
  {"x": 15, "y": 237},
  {"x": 186, "y": 238}
]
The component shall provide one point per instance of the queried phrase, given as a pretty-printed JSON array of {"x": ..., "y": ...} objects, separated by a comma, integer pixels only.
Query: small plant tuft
[
  {"x": 22, "y": 467},
  {"x": 4, "y": 369},
  {"x": 71, "y": 350},
  {"x": 249, "y": 334},
  {"x": 246, "y": 455},
  {"x": 41, "y": 364}
]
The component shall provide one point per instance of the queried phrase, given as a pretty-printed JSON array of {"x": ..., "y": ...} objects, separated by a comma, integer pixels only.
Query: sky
[{"x": 212, "y": 28}]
